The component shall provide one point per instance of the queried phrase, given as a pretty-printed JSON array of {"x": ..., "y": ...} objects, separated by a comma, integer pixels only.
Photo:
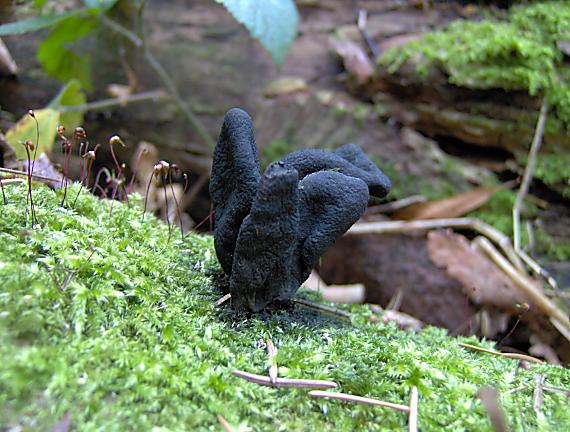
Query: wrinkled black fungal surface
[{"x": 271, "y": 229}]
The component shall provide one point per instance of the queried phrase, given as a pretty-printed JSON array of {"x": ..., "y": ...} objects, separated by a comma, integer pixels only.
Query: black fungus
[{"x": 270, "y": 230}]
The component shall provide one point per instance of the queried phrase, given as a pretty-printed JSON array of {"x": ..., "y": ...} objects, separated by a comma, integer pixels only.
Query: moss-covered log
[{"x": 106, "y": 324}]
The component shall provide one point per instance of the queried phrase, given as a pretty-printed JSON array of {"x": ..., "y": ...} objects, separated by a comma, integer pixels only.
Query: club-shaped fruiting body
[{"x": 271, "y": 229}]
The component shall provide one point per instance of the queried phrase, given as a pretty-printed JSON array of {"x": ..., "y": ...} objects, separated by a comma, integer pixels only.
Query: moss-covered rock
[{"x": 104, "y": 319}]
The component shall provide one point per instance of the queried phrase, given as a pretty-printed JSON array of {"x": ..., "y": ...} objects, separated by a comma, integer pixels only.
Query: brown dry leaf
[
  {"x": 450, "y": 207},
  {"x": 284, "y": 86},
  {"x": 355, "y": 60},
  {"x": 482, "y": 281}
]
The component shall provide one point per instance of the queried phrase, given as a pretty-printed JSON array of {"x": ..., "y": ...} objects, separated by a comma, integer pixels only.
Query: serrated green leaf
[
  {"x": 70, "y": 95},
  {"x": 59, "y": 61},
  {"x": 273, "y": 22},
  {"x": 33, "y": 24},
  {"x": 25, "y": 129}
]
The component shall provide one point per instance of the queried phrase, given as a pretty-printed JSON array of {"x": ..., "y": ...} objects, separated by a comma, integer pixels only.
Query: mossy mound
[
  {"x": 103, "y": 319},
  {"x": 524, "y": 51}
]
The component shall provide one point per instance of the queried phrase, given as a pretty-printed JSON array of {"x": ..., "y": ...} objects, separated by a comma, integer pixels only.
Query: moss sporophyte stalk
[{"x": 104, "y": 320}]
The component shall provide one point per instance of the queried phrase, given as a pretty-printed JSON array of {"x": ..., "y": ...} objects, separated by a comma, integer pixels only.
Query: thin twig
[
  {"x": 224, "y": 423},
  {"x": 560, "y": 294},
  {"x": 516, "y": 389},
  {"x": 358, "y": 399},
  {"x": 529, "y": 288},
  {"x": 413, "y": 418},
  {"x": 9, "y": 181},
  {"x": 323, "y": 308},
  {"x": 284, "y": 382},
  {"x": 163, "y": 75},
  {"x": 514, "y": 356},
  {"x": 538, "y": 396},
  {"x": 361, "y": 24},
  {"x": 527, "y": 177},
  {"x": 24, "y": 174},
  {"x": 271, "y": 352},
  {"x": 396, "y": 205},
  {"x": 557, "y": 390},
  {"x": 224, "y": 299},
  {"x": 154, "y": 95}
]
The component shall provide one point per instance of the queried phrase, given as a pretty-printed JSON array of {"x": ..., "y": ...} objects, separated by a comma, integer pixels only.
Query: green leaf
[
  {"x": 61, "y": 62},
  {"x": 101, "y": 5},
  {"x": 70, "y": 95},
  {"x": 25, "y": 129},
  {"x": 39, "y": 4},
  {"x": 273, "y": 22},
  {"x": 33, "y": 24}
]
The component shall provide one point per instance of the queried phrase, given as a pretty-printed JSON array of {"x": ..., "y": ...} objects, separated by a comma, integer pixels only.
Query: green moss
[
  {"x": 105, "y": 320},
  {"x": 274, "y": 151},
  {"x": 498, "y": 213},
  {"x": 517, "y": 54},
  {"x": 554, "y": 170}
]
